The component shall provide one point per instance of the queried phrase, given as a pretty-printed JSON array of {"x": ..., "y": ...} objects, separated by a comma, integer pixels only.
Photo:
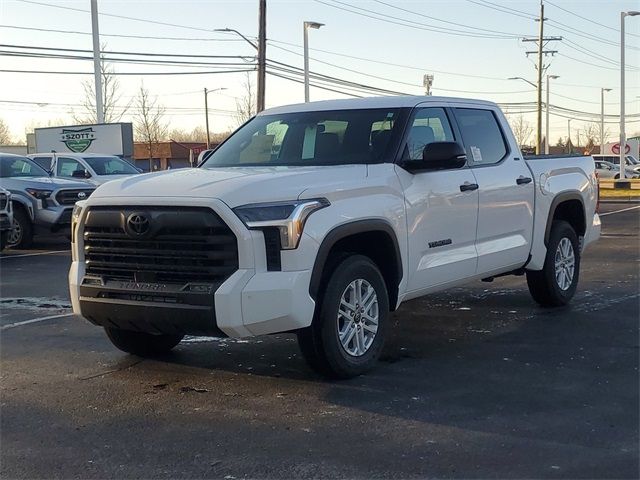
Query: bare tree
[
  {"x": 114, "y": 109},
  {"x": 522, "y": 130},
  {"x": 149, "y": 123},
  {"x": 198, "y": 135},
  {"x": 592, "y": 134},
  {"x": 246, "y": 105},
  {"x": 5, "y": 134},
  {"x": 560, "y": 142}
]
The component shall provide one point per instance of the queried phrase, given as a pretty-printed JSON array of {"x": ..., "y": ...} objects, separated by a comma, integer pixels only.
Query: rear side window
[{"x": 482, "y": 136}]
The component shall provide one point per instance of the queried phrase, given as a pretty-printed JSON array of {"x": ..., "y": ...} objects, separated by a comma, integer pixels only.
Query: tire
[
  {"x": 4, "y": 239},
  {"x": 142, "y": 344},
  {"x": 320, "y": 343},
  {"x": 22, "y": 234},
  {"x": 551, "y": 288}
]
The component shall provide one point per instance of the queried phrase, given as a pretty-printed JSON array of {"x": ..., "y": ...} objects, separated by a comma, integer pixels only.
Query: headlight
[
  {"x": 288, "y": 217},
  {"x": 39, "y": 194}
]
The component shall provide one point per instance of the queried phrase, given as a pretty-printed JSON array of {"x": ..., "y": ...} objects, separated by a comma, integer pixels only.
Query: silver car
[
  {"x": 631, "y": 170},
  {"x": 40, "y": 204},
  {"x": 6, "y": 217}
]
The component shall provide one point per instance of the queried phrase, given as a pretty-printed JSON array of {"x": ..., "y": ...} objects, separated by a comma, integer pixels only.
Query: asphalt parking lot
[{"x": 475, "y": 382}]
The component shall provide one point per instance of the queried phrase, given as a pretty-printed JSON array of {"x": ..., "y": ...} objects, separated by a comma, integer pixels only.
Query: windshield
[
  {"x": 110, "y": 166},
  {"x": 334, "y": 137},
  {"x": 20, "y": 167},
  {"x": 632, "y": 160}
]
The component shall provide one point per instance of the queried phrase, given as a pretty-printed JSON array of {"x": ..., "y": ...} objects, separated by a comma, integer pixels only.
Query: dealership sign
[
  {"x": 105, "y": 138},
  {"x": 78, "y": 140}
]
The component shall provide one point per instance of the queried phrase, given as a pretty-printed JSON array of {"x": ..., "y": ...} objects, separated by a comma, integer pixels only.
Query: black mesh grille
[
  {"x": 182, "y": 245},
  {"x": 70, "y": 197}
]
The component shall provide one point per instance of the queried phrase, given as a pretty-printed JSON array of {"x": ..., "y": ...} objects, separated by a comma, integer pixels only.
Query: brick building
[{"x": 165, "y": 155}]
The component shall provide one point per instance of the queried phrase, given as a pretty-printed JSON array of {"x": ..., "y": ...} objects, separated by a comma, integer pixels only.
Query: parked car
[
  {"x": 41, "y": 204},
  {"x": 95, "y": 168},
  {"x": 607, "y": 169},
  {"x": 321, "y": 218},
  {"x": 6, "y": 217},
  {"x": 631, "y": 170}
]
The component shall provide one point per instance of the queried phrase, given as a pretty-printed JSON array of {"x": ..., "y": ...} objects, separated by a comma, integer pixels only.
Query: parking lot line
[
  {"x": 34, "y": 254},
  {"x": 619, "y": 211},
  {"x": 34, "y": 320}
]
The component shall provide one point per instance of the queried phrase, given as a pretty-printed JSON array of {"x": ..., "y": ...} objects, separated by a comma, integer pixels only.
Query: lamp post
[
  {"x": 539, "y": 122},
  {"x": 623, "y": 137},
  {"x": 602, "y": 90},
  {"x": 206, "y": 111},
  {"x": 305, "y": 27},
  {"x": 569, "y": 136},
  {"x": 546, "y": 134}
]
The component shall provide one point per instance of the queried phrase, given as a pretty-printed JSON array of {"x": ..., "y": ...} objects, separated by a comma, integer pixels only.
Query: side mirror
[
  {"x": 80, "y": 174},
  {"x": 439, "y": 156}
]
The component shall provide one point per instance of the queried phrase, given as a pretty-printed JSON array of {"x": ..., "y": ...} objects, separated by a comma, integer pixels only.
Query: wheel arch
[
  {"x": 567, "y": 206},
  {"x": 374, "y": 238}
]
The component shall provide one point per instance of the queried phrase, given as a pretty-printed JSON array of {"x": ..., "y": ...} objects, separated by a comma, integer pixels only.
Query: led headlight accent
[
  {"x": 288, "y": 217},
  {"x": 39, "y": 194}
]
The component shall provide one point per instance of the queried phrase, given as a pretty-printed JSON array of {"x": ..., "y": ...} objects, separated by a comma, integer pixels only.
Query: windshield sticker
[{"x": 476, "y": 154}]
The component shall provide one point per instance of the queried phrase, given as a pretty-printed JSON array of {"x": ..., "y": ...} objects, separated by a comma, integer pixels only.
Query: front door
[{"x": 441, "y": 208}]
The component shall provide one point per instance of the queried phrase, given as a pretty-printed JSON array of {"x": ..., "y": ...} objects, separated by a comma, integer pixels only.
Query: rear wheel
[
  {"x": 351, "y": 321},
  {"x": 21, "y": 235},
  {"x": 556, "y": 283},
  {"x": 140, "y": 343}
]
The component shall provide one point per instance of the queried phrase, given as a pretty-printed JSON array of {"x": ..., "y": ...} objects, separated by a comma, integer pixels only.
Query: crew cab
[
  {"x": 92, "y": 167},
  {"x": 320, "y": 219},
  {"x": 41, "y": 204}
]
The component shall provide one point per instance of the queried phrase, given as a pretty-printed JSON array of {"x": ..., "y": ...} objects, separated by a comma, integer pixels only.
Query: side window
[
  {"x": 429, "y": 125},
  {"x": 44, "y": 162},
  {"x": 482, "y": 136},
  {"x": 66, "y": 167}
]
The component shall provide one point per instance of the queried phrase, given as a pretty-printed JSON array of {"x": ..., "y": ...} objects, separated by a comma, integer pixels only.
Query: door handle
[
  {"x": 523, "y": 180},
  {"x": 468, "y": 187}
]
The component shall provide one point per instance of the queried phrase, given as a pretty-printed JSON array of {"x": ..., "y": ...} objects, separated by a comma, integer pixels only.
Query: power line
[
  {"x": 406, "y": 23},
  {"x": 574, "y": 14},
  {"x": 504, "y": 9},
  {"x": 59, "y": 72}
]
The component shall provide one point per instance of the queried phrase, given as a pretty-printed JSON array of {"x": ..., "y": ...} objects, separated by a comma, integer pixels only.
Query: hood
[
  {"x": 235, "y": 185},
  {"x": 48, "y": 183},
  {"x": 97, "y": 180}
]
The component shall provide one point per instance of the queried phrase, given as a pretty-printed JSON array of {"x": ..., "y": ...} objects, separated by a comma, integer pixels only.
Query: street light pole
[
  {"x": 206, "y": 111},
  {"x": 546, "y": 138},
  {"x": 96, "y": 62},
  {"x": 602, "y": 90},
  {"x": 569, "y": 136},
  {"x": 305, "y": 27},
  {"x": 623, "y": 137}
]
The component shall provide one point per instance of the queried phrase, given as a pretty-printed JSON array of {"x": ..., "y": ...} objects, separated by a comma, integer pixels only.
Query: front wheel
[
  {"x": 556, "y": 283},
  {"x": 21, "y": 235},
  {"x": 142, "y": 344},
  {"x": 348, "y": 332}
]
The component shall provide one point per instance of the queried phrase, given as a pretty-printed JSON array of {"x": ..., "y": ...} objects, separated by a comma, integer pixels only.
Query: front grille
[
  {"x": 3, "y": 201},
  {"x": 70, "y": 197},
  {"x": 183, "y": 245}
]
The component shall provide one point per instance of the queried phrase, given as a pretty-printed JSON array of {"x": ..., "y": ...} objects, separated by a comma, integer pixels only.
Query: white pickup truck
[{"x": 320, "y": 219}]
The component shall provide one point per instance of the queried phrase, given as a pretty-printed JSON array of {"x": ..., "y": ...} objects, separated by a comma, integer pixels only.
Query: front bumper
[
  {"x": 53, "y": 218},
  {"x": 252, "y": 301}
]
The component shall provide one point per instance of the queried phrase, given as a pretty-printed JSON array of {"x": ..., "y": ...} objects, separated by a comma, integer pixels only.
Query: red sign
[{"x": 615, "y": 148}]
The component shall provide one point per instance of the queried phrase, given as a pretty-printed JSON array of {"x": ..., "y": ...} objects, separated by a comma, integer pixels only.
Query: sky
[{"x": 471, "y": 47}]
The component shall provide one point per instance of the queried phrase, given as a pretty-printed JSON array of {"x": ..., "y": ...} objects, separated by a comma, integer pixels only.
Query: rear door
[
  {"x": 506, "y": 189},
  {"x": 441, "y": 208}
]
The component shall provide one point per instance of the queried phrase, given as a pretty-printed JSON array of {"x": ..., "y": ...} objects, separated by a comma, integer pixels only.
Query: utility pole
[
  {"x": 569, "y": 136},
  {"x": 206, "y": 114},
  {"x": 542, "y": 42},
  {"x": 602, "y": 90},
  {"x": 262, "y": 55},
  {"x": 96, "y": 61},
  {"x": 427, "y": 82}
]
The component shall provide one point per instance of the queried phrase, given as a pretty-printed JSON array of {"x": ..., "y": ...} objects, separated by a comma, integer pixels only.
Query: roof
[{"x": 370, "y": 102}]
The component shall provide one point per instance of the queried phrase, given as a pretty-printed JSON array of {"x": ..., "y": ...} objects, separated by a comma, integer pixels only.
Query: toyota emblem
[
  {"x": 138, "y": 224},
  {"x": 82, "y": 195}
]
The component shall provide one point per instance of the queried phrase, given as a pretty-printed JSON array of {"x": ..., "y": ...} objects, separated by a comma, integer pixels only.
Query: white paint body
[{"x": 496, "y": 229}]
